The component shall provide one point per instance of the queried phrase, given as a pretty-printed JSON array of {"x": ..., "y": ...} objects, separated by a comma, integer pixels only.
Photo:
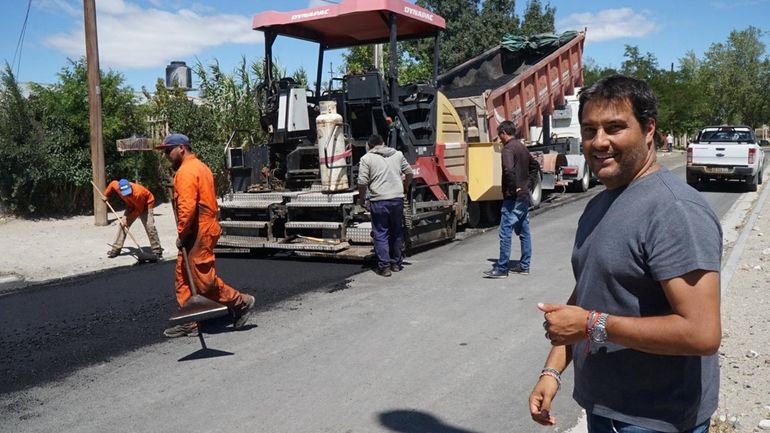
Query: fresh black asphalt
[{"x": 51, "y": 330}]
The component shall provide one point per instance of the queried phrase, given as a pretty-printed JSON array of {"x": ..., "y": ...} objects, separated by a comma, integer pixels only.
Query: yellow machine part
[
  {"x": 449, "y": 128},
  {"x": 484, "y": 171}
]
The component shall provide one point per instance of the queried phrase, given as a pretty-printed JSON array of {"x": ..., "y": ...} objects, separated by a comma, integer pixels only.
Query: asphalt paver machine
[{"x": 297, "y": 192}]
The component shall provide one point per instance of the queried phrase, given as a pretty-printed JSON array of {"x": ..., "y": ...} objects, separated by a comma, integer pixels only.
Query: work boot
[
  {"x": 519, "y": 270},
  {"x": 383, "y": 272},
  {"x": 158, "y": 254},
  {"x": 113, "y": 253},
  {"x": 185, "y": 329},
  {"x": 495, "y": 273},
  {"x": 396, "y": 268},
  {"x": 242, "y": 313}
]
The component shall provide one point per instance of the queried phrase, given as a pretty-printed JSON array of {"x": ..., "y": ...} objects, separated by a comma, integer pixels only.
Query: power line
[{"x": 20, "y": 43}]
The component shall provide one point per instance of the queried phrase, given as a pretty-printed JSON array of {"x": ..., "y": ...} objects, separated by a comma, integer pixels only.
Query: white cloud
[
  {"x": 57, "y": 6},
  {"x": 610, "y": 24},
  {"x": 134, "y": 38}
]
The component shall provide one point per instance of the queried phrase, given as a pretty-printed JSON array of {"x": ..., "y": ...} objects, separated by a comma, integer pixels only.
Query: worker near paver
[
  {"x": 198, "y": 230},
  {"x": 670, "y": 142},
  {"x": 139, "y": 203},
  {"x": 380, "y": 174},
  {"x": 642, "y": 326},
  {"x": 514, "y": 212}
]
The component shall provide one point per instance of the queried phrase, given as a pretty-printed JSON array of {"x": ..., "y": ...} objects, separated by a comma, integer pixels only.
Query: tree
[
  {"x": 472, "y": 27},
  {"x": 50, "y": 163},
  {"x": 592, "y": 72},
  {"x": 741, "y": 66},
  {"x": 19, "y": 146},
  {"x": 643, "y": 67},
  {"x": 538, "y": 19}
]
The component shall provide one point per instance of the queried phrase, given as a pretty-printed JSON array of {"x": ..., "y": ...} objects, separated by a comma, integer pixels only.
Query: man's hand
[
  {"x": 564, "y": 324},
  {"x": 104, "y": 199},
  {"x": 183, "y": 243},
  {"x": 540, "y": 400}
]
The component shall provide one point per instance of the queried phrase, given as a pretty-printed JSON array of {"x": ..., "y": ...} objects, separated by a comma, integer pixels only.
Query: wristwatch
[{"x": 599, "y": 331}]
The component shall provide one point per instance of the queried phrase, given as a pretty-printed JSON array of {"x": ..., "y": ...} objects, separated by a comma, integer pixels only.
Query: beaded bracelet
[{"x": 554, "y": 373}]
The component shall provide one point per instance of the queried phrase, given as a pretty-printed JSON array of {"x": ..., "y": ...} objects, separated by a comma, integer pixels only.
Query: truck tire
[
  {"x": 474, "y": 214},
  {"x": 692, "y": 180},
  {"x": 759, "y": 174},
  {"x": 584, "y": 183},
  {"x": 536, "y": 191},
  {"x": 490, "y": 213},
  {"x": 751, "y": 184}
]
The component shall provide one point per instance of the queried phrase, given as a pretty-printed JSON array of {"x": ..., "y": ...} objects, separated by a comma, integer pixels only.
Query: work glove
[{"x": 184, "y": 242}]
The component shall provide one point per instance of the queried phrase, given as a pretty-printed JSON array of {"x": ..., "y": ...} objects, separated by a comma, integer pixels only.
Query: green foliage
[
  {"x": 19, "y": 146},
  {"x": 472, "y": 27},
  {"x": 51, "y": 162},
  {"x": 226, "y": 102},
  {"x": 737, "y": 76},
  {"x": 538, "y": 19}
]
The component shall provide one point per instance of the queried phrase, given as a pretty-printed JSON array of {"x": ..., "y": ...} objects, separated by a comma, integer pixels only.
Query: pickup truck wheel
[
  {"x": 751, "y": 184},
  {"x": 692, "y": 180},
  {"x": 759, "y": 175}
]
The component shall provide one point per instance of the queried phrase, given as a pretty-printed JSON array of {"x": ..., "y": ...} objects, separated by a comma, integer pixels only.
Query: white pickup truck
[{"x": 725, "y": 152}]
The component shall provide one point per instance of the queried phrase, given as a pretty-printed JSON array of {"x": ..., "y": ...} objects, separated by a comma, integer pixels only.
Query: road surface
[{"x": 434, "y": 348}]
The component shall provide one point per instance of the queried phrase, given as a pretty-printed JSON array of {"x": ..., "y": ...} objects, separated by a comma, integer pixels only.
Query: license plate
[{"x": 718, "y": 169}]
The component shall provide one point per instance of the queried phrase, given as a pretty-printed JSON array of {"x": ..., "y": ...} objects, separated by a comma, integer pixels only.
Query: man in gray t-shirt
[{"x": 642, "y": 326}]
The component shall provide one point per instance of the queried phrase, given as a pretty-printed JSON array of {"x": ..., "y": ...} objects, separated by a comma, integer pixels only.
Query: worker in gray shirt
[{"x": 380, "y": 174}]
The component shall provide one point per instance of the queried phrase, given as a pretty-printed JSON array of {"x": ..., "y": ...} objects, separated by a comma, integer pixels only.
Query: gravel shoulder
[{"x": 744, "y": 402}]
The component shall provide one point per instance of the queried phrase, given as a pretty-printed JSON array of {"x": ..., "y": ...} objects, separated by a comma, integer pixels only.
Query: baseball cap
[
  {"x": 125, "y": 187},
  {"x": 173, "y": 140}
]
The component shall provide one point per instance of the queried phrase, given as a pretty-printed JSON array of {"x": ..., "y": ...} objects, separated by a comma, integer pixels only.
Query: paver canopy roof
[{"x": 351, "y": 22}]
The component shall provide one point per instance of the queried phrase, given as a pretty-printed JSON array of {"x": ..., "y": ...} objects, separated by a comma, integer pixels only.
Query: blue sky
[{"x": 140, "y": 37}]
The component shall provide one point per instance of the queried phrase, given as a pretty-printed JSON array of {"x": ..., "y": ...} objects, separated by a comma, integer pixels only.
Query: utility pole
[{"x": 95, "y": 110}]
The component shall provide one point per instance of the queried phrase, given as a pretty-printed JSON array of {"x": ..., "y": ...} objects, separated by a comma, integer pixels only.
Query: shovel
[
  {"x": 197, "y": 307},
  {"x": 140, "y": 254}
]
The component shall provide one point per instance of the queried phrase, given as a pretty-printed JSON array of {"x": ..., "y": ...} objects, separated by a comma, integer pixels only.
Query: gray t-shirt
[
  {"x": 381, "y": 169},
  {"x": 628, "y": 239}
]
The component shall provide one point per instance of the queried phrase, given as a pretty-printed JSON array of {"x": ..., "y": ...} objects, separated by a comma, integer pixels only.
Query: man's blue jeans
[
  {"x": 600, "y": 424},
  {"x": 514, "y": 218},
  {"x": 388, "y": 231}
]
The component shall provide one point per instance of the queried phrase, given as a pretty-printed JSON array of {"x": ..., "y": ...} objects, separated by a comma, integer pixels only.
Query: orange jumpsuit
[
  {"x": 197, "y": 226},
  {"x": 139, "y": 204}
]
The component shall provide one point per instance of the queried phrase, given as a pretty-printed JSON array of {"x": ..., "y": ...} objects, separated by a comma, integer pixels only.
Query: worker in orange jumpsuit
[
  {"x": 198, "y": 230},
  {"x": 139, "y": 204}
]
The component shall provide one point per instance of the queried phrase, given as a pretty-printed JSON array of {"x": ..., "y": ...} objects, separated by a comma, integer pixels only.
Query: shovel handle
[
  {"x": 187, "y": 267},
  {"x": 193, "y": 289}
]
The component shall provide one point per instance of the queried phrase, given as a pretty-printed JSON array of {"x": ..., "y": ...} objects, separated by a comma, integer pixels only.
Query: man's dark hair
[
  {"x": 374, "y": 140},
  {"x": 509, "y": 128},
  {"x": 617, "y": 88}
]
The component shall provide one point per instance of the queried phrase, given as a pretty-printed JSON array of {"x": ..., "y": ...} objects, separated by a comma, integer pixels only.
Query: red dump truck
[{"x": 296, "y": 192}]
